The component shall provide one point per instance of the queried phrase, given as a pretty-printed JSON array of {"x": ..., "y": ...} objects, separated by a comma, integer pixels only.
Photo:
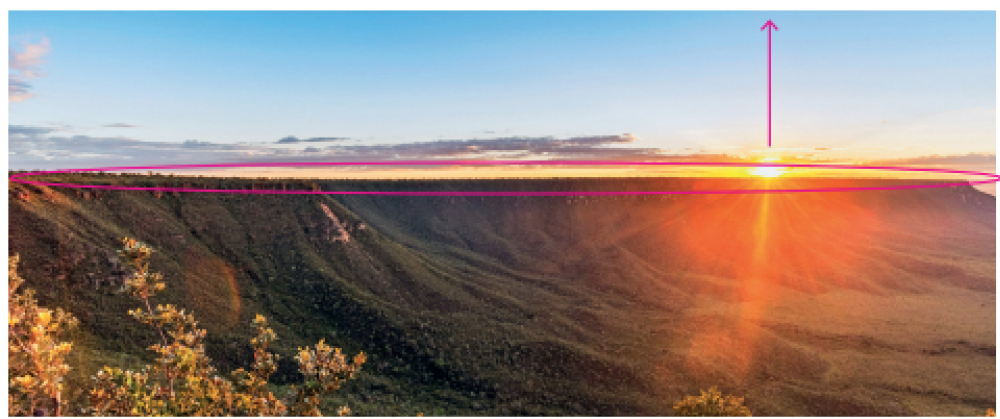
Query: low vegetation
[
  {"x": 711, "y": 403},
  {"x": 182, "y": 382}
]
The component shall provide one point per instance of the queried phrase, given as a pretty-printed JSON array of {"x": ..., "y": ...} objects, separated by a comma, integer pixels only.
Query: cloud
[
  {"x": 120, "y": 125},
  {"x": 971, "y": 159},
  {"x": 28, "y": 130},
  {"x": 29, "y": 57},
  {"x": 291, "y": 139},
  {"x": 511, "y": 147},
  {"x": 17, "y": 89},
  {"x": 23, "y": 66},
  {"x": 197, "y": 144},
  {"x": 39, "y": 147},
  {"x": 43, "y": 148}
]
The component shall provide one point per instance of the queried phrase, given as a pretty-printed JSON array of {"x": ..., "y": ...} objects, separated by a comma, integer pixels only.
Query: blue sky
[{"x": 847, "y": 85}]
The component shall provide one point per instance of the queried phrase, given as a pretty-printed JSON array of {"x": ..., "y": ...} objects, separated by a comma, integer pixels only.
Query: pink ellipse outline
[{"x": 995, "y": 177}]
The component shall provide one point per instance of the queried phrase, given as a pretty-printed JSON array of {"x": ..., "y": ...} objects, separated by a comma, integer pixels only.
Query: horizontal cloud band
[{"x": 32, "y": 147}]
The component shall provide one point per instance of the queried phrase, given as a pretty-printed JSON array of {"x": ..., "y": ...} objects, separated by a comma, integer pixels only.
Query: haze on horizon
[{"x": 93, "y": 89}]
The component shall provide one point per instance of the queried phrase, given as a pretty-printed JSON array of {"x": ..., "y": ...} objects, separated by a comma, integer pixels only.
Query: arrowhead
[{"x": 769, "y": 24}]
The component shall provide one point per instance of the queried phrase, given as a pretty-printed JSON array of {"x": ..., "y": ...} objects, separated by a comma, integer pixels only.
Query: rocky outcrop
[{"x": 337, "y": 231}]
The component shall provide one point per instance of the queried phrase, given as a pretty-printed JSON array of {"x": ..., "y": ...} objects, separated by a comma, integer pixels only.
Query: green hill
[{"x": 863, "y": 303}]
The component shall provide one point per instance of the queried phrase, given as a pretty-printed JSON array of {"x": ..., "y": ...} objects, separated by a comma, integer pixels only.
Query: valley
[{"x": 843, "y": 303}]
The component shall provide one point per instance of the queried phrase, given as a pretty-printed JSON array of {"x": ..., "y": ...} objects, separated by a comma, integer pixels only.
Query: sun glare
[{"x": 767, "y": 171}]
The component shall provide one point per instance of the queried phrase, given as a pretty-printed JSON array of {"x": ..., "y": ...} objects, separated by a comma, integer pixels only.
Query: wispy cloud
[
  {"x": 26, "y": 130},
  {"x": 120, "y": 125},
  {"x": 42, "y": 147},
  {"x": 512, "y": 147},
  {"x": 23, "y": 65},
  {"x": 291, "y": 139},
  {"x": 17, "y": 89},
  {"x": 39, "y": 147},
  {"x": 971, "y": 159}
]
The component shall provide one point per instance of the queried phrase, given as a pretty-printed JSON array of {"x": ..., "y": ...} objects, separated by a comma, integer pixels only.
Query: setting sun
[{"x": 768, "y": 171}]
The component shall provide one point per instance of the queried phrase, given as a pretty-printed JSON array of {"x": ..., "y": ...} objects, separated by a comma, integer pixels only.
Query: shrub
[
  {"x": 36, "y": 358},
  {"x": 711, "y": 403},
  {"x": 182, "y": 381}
]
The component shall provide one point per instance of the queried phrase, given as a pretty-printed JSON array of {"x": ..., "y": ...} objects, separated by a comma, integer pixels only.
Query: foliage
[
  {"x": 991, "y": 413},
  {"x": 325, "y": 369},
  {"x": 183, "y": 382},
  {"x": 711, "y": 403},
  {"x": 36, "y": 357}
]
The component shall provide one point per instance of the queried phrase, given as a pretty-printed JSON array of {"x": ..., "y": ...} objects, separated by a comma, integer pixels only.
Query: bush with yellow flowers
[
  {"x": 35, "y": 355},
  {"x": 711, "y": 403},
  {"x": 182, "y": 381}
]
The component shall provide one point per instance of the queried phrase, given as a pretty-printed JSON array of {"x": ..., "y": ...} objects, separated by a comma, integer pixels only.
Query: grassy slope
[{"x": 864, "y": 303}]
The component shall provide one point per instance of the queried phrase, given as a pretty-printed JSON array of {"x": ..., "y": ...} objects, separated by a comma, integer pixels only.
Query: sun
[{"x": 768, "y": 171}]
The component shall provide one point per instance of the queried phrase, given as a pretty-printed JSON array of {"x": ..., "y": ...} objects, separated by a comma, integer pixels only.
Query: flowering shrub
[
  {"x": 182, "y": 381},
  {"x": 711, "y": 403},
  {"x": 36, "y": 358}
]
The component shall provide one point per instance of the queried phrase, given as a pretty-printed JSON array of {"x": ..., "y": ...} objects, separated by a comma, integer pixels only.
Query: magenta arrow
[{"x": 768, "y": 26}]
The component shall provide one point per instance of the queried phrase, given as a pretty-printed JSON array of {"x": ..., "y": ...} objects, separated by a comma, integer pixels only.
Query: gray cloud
[
  {"x": 43, "y": 148},
  {"x": 548, "y": 147},
  {"x": 17, "y": 88},
  {"x": 198, "y": 144},
  {"x": 28, "y": 130},
  {"x": 120, "y": 125},
  {"x": 291, "y": 139}
]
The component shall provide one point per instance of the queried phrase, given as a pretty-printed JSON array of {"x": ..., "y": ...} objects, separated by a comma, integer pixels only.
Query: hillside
[{"x": 861, "y": 303}]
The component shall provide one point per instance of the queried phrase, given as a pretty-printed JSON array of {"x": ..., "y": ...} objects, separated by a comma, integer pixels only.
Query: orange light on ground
[{"x": 745, "y": 254}]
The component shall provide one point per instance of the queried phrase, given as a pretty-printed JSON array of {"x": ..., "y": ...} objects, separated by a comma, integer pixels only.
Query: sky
[{"x": 92, "y": 89}]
